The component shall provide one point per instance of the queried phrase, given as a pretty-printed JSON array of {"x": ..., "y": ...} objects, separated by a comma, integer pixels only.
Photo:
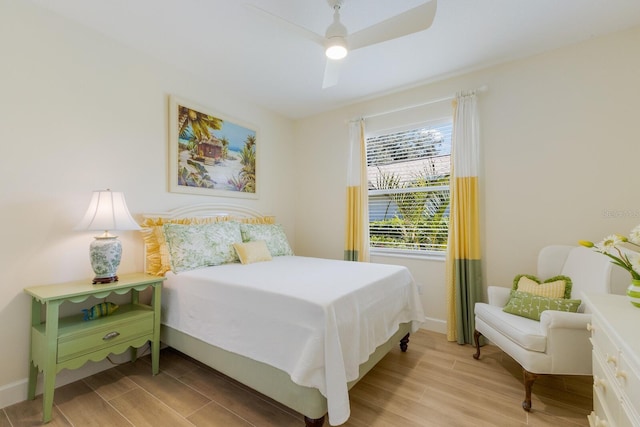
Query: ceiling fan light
[{"x": 336, "y": 48}]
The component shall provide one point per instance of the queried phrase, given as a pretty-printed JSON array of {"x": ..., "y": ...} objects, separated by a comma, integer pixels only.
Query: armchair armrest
[
  {"x": 551, "y": 319},
  {"x": 498, "y": 295},
  {"x": 567, "y": 341}
]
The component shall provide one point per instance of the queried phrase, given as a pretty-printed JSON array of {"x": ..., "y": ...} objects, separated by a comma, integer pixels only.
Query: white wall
[
  {"x": 560, "y": 153},
  {"x": 79, "y": 112}
]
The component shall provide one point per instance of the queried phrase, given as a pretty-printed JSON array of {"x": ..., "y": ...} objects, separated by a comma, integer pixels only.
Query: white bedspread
[{"x": 315, "y": 319}]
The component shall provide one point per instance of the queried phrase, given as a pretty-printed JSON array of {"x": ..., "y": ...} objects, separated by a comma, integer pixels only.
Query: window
[{"x": 408, "y": 177}]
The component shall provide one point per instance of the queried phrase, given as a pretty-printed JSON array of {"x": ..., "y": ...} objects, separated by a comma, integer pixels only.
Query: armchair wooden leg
[
  {"x": 529, "y": 378},
  {"x": 476, "y": 340},
  {"x": 313, "y": 422}
]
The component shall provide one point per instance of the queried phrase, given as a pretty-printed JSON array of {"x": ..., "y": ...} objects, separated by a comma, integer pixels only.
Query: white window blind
[{"x": 408, "y": 174}]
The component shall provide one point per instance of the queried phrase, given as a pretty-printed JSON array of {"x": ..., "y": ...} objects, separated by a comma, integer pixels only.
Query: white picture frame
[{"x": 211, "y": 154}]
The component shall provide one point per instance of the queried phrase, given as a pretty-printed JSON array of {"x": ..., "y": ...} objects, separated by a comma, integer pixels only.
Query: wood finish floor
[{"x": 436, "y": 383}]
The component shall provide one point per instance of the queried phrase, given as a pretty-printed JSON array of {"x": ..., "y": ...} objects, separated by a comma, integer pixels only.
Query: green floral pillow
[
  {"x": 272, "y": 234},
  {"x": 531, "y": 306},
  {"x": 199, "y": 245}
]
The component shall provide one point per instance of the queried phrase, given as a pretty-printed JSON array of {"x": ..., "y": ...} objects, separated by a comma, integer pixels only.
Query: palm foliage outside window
[{"x": 408, "y": 177}]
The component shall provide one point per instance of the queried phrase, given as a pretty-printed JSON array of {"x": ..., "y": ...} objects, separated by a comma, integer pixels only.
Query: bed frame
[{"x": 272, "y": 382}]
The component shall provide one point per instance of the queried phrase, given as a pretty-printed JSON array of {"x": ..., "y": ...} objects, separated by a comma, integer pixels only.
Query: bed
[{"x": 299, "y": 330}]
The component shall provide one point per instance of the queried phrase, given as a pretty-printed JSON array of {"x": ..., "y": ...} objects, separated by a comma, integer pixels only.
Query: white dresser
[{"x": 615, "y": 335}]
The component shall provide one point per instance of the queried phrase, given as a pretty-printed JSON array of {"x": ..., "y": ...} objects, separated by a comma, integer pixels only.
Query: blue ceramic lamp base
[{"x": 105, "y": 253}]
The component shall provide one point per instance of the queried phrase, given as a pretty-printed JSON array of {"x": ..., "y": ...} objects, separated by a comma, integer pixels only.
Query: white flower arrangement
[{"x": 612, "y": 245}]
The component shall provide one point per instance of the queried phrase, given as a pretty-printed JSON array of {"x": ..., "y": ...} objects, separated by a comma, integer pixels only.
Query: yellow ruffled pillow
[{"x": 157, "y": 258}]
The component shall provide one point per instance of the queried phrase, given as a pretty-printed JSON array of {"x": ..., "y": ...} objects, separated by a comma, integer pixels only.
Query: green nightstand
[{"x": 70, "y": 342}]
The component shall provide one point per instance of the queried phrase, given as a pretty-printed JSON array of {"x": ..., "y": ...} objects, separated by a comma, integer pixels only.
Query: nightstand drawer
[{"x": 104, "y": 333}]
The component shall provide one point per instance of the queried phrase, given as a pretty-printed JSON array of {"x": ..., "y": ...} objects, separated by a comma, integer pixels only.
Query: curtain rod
[{"x": 422, "y": 104}]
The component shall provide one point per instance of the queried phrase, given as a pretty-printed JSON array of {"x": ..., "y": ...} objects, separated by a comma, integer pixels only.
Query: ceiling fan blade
[
  {"x": 413, "y": 20},
  {"x": 331, "y": 72},
  {"x": 295, "y": 28}
]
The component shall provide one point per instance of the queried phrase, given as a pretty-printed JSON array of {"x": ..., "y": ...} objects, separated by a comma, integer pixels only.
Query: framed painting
[{"x": 211, "y": 154}]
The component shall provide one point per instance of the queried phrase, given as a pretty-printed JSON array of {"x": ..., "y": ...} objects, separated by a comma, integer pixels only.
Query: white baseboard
[
  {"x": 17, "y": 391},
  {"x": 436, "y": 325}
]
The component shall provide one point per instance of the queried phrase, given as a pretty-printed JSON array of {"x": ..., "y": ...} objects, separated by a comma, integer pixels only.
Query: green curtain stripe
[
  {"x": 351, "y": 255},
  {"x": 468, "y": 283}
]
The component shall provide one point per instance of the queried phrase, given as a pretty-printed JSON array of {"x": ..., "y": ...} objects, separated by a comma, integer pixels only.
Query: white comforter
[{"x": 315, "y": 319}]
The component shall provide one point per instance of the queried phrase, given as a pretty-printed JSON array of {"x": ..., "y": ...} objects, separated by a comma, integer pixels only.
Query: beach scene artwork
[{"x": 213, "y": 155}]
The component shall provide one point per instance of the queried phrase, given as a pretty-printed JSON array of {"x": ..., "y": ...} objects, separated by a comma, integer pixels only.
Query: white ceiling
[{"x": 275, "y": 67}]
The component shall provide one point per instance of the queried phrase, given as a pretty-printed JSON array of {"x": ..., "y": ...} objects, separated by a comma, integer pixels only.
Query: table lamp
[{"x": 107, "y": 211}]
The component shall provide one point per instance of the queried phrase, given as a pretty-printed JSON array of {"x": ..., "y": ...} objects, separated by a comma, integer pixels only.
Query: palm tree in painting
[
  {"x": 248, "y": 161},
  {"x": 199, "y": 123},
  {"x": 225, "y": 147},
  {"x": 195, "y": 127},
  {"x": 251, "y": 141}
]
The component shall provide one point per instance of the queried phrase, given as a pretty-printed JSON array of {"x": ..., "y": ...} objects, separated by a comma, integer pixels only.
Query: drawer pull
[
  {"x": 110, "y": 335},
  {"x": 621, "y": 374},
  {"x": 590, "y": 327},
  {"x": 612, "y": 359},
  {"x": 599, "y": 382}
]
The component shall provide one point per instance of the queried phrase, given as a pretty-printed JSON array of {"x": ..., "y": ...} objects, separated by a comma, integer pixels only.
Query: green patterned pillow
[
  {"x": 199, "y": 245},
  {"x": 531, "y": 306},
  {"x": 272, "y": 234}
]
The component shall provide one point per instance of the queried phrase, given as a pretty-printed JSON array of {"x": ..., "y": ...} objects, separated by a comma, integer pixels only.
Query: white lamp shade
[{"x": 107, "y": 211}]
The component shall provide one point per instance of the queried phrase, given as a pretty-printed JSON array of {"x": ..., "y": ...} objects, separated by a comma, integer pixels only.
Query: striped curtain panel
[
  {"x": 463, "y": 267},
  {"x": 356, "y": 246}
]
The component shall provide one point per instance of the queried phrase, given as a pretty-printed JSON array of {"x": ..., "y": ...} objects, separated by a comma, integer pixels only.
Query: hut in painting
[{"x": 210, "y": 150}]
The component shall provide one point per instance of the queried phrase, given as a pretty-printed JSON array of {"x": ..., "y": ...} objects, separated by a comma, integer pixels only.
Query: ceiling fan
[{"x": 337, "y": 42}]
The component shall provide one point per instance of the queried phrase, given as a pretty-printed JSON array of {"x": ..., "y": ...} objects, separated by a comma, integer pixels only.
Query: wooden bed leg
[
  {"x": 476, "y": 340},
  {"x": 313, "y": 422},
  {"x": 404, "y": 343},
  {"x": 529, "y": 378}
]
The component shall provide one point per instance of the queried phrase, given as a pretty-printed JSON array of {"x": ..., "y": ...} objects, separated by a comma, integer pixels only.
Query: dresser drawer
[
  {"x": 599, "y": 417},
  {"x": 628, "y": 416},
  {"x": 628, "y": 379},
  {"x": 604, "y": 389},
  {"x": 604, "y": 345},
  {"x": 104, "y": 333}
]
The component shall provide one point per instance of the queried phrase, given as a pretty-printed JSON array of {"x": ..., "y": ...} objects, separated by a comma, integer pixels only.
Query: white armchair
[{"x": 559, "y": 342}]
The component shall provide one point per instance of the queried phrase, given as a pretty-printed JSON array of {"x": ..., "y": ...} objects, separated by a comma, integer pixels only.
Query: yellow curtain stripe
[
  {"x": 353, "y": 237},
  {"x": 465, "y": 228}
]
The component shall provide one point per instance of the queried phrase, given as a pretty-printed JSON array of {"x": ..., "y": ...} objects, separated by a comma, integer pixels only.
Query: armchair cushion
[
  {"x": 531, "y": 306},
  {"x": 554, "y": 287},
  {"x": 525, "y": 333}
]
